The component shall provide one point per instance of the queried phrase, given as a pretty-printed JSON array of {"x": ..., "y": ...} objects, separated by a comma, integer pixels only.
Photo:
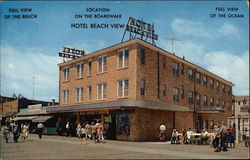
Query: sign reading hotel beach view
[
  {"x": 36, "y": 107},
  {"x": 137, "y": 27},
  {"x": 71, "y": 53}
]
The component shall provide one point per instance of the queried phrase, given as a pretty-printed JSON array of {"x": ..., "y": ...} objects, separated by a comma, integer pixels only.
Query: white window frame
[
  {"x": 123, "y": 59},
  {"x": 66, "y": 74},
  {"x": 103, "y": 65},
  {"x": 123, "y": 88},
  {"x": 79, "y": 94},
  {"x": 175, "y": 94},
  {"x": 81, "y": 70},
  {"x": 103, "y": 92},
  {"x": 65, "y": 96}
]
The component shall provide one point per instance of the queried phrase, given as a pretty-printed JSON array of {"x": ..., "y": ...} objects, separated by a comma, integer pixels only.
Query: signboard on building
[
  {"x": 71, "y": 53},
  {"x": 140, "y": 29},
  {"x": 36, "y": 107}
]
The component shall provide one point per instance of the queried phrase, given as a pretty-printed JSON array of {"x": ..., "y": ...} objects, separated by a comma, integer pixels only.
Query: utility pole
[
  {"x": 33, "y": 87},
  {"x": 173, "y": 39}
]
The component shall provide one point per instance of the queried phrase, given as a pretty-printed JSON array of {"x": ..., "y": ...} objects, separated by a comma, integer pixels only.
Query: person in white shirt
[
  {"x": 189, "y": 132},
  {"x": 162, "y": 133},
  {"x": 67, "y": 129},
  {"x": 174, "y": 138},
  {"x": 204, "y": 136}
]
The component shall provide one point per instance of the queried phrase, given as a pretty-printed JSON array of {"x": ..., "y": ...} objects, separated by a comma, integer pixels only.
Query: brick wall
[{"x": 9, "y": 106}]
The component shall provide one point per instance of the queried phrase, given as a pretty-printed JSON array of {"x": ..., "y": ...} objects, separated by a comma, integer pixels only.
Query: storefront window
[{"x": 123, "y": 125}]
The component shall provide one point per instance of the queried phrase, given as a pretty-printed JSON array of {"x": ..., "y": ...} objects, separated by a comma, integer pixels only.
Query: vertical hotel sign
[{"x": 140, "y": 29}]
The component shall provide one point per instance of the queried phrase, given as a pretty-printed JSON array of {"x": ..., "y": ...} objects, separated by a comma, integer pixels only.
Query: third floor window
[
  {"x": 211, "y": 83},
  {"x": 190, "y": 74},
  {"x": 198, "y": 77},
  {"x": 205, "y": 100},
  {"x": 90, "y": 68},
  {"x": 79, "y": 70},
  {"x": 66, "y": 74},
  {"x": 123, "y": 58},
  {"x": 142, "y": 55},
  {"x": 102, "y": 64},
  {"x": 204, "y": 80},
  {"x": 175, "y": 68}
]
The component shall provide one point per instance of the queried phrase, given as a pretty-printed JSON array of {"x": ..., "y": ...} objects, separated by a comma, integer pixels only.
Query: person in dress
[
  {"x": 162, "y": 132},
  {"x": 101, "y": 131},
  {"x": 78, "y": 130},
  {"x": 88, "y": 130}
]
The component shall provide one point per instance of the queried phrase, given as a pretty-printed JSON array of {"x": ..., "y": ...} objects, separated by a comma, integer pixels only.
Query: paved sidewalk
[{"x": 57, "y": 147}]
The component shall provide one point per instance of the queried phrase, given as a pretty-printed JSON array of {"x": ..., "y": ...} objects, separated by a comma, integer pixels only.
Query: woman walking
[{"x": 6, "y": 132}]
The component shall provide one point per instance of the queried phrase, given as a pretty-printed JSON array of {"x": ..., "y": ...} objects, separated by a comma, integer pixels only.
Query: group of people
[
  {"x": 218, "y": 136},
  {"x": 19, "y": 130},
  {"x": 86, "y": 131}
]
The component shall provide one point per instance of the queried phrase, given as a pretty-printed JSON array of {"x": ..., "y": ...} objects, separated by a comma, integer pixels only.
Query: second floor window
[
  {"x": 79, "y": 94},
  {"x": 223, "y": 87},
  {"x": 190, "y": 74},
  {"x": 123, "y": 58},
  {"x": 123, "y": 88},
  {"x": 205, "y": 100},
  {"x": 142, "y": 55},
  {"x": 217, "y": 103},
  {"x": 142, "y": 86},
  {"x": 211, "y": 102},
  {"x": 90, "y": 68},
  {"x": 198, "y": 77},
  {"x": 66, "y": 74},
  {"x": 164, "y": 90},
  {"x": 175, "y": 94},
  {"x": 190, "y": 97},
  {"x": 204, "y": 80},
  {"x": 198, "y": 99},
  {"x": 175, "y": 68},
  {"x": 79, "y": 70},
  {"x": 228, "y": 90},
  {"x": 101, "y": 91},
  {"x": 217, "y": 86},
  {"x": 223, "y": 104},
  {"x": 102, "y": 64},
  {"x": 89, "y": 93},
  {"x": 182, "y": 93},
  {"x": 65, "y": 96}
]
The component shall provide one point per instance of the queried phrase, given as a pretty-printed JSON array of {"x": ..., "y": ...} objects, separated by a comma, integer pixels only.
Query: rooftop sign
[
  {"x": 71, "y": 53},
  {"x": 140, "y": 29}
]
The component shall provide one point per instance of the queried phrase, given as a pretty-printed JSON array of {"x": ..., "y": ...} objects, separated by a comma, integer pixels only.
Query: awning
[
  {"x": 24, "y": 118},
  {"x": 41, "y": 118}
]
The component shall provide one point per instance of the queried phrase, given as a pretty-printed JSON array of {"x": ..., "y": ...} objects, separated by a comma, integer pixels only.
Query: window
[
  {"x": 123, "y": 58},
  {"x": 175, "y": 94},
  {"x": 182, "y": 93},
  {"x": 217, "y": 86},
  {"x": 190, "y": 74},
  {"x": 102, "y": 64},
  {"x": 217, "y": 103},
  {"x": 123, "y": 124},
  {"x": 182, "y": 68},
  {"x": 102, "y": 91},
  {"x": 228, "y": 90},
  {"x": 204, "y": 80},
  {"x": 197, "y": 77},
  {"x": 143, "y": 87},
  {"x": 79, "y": 70},
  {"x": 66, "y": 74},
  {"x": 79, "y": 94},
  {"x": 198, "y": 100},
  {"x": 223, "y": 87},
  {"x": 90, "y": 68},
  {"x": 123, "y": 88},
  {"x": 190, "y": 97},
  {"x": 164, "y": 90},
  {"x": 65, "y": 96},
  {"x": 223, "y": 104},
  {"x": 164, "y": 62},
  {"x": 229, "y": 106},
  {"x": 211, "y": 101},
  {"x": 175, "y": 68},
  {"x": 142, "y": 55},
  {"x": 211, "y": 83},
  {"x": 205, "y": 100},
  {"x": 89, "y": 93}
]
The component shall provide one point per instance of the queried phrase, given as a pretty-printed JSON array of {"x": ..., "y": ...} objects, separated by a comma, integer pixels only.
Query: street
[{"x": 57, "y": 147}]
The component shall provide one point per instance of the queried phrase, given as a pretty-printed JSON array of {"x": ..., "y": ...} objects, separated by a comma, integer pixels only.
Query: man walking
[
  {"x": 40, "y": 129},
  {"x": 16, "y": 131},
  {"x": 222, "y": 133},
  {"x": 67, "y": 129}
]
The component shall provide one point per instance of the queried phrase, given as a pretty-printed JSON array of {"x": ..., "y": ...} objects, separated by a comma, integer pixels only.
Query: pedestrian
[
  {"x": 216, "y": 137},
  {"x": 67, "y": 129},
  {"x": 93, "y": 131},
  {"x": 88, "y": 130},
  {"x": 222, "y": 133},
  {"x": 183, "y": 138},
  {"x": 83, "y": 134},
  {"x": 174, "y": 138},
  {"x": 78, "y": 130},
  {"x": 189, "y": 132},
  {"x": 16, "y": 131},
  {"x": 6, "y": 132},
  {"x": 162, "y": 132},
  {"x": 101, "y": 131},
  {"x": 204, "y": 136},
  {"x": 40, "y": 129},
  {"x": 98, "y": 130}
]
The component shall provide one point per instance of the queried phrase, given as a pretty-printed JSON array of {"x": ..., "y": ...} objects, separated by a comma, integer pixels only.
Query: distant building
[
  {"x": 134, "y": 87},
  {"x": 240, "y": 118}
]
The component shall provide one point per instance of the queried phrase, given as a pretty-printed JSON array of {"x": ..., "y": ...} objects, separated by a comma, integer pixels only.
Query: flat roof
[{"x": 155, "y": 48}]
